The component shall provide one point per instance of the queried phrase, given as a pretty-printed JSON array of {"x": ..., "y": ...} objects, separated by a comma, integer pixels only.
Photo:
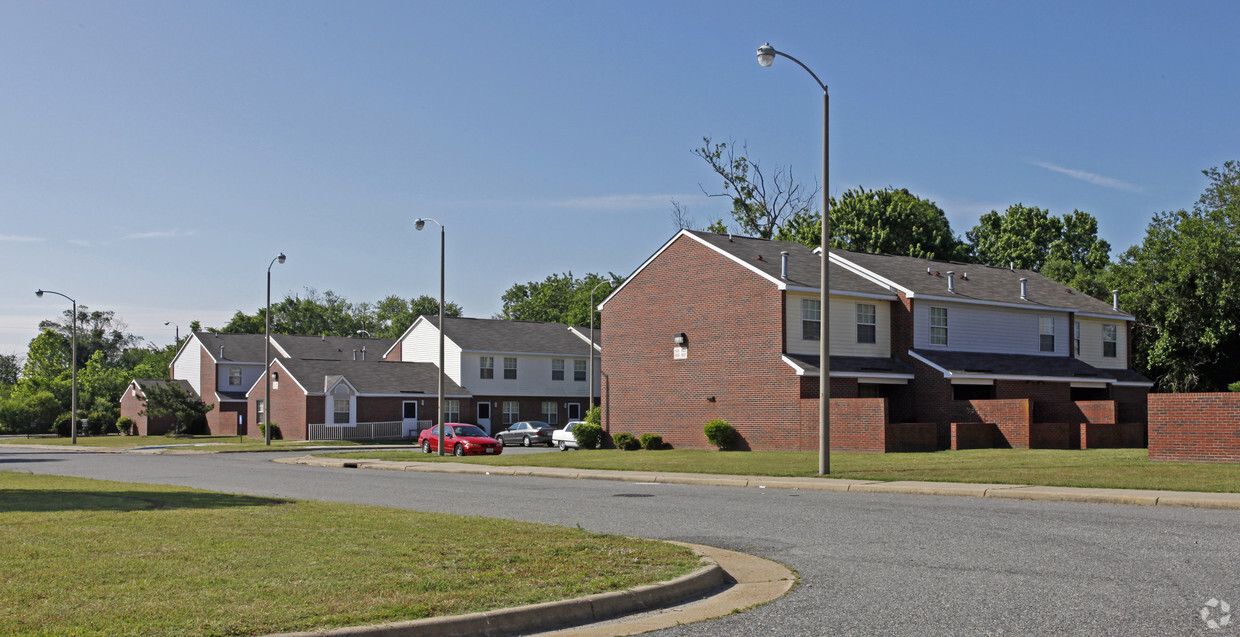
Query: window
[
  {"x": 550, "y": 412},
  {"x": 340, "y": 411},
  {"x": 486, "y": 367},
  {"x": 867, "y": 390},
  {"x": 866, "y": 326},
  {"x": 234, "y": 376},
  {"x": 579, "y": 371},
  {"x": 261, "y": 414},
  {"x": 557, "y": 369},
  {"x": 938, "y": 326},
  {"x": 1109, "y": 341},
  {"x": 451, "y": 410},
  {"x": 811, "y": 319},
  {"x": 1076, "y": 338},
  {"x": 510, "y": 369},
  {"x": 511, "y": 414},
  {"x": 1046, "y": 332}
]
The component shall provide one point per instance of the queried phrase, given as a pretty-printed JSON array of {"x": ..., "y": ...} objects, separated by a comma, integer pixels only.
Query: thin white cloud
[
  {"x": 1097, "y": 180},
  {"x": 159, "y": 234},
  {"x": 619, "y": 202},
  {"x": 19, "y": 239},
  {"x": 80, "y": 242}
]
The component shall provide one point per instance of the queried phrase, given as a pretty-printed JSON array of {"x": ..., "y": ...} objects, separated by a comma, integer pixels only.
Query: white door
[
  {"x": 409, "y": 419},
  {"x": 484, "y": 416}
]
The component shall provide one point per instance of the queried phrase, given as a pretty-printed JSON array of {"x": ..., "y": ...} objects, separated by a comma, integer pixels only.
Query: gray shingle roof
[
  {"x": 333, "y": 347},
  {"x": 987, "y": 365},
  {"x": 853, "y": 364},
  {"x": 151, "y": 382},
  {"x": 497, "y": 335},
  {"x": 984, "y": 283},
  {"x": 241, "y": 348},
  {"x": 804, "y": 267},
  {"x": 372, "y": 376}
]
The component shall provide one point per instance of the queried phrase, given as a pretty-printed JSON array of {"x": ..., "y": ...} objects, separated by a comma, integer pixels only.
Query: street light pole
[
  {"x": 766, "y": 57},
  {"x": 419, "y": 224},
  {"x": 590, "y": 402},
  {"x": 267, "y": 356},
  {"x": 73, "y": 367},
  {"x": 178, "y": 331}
]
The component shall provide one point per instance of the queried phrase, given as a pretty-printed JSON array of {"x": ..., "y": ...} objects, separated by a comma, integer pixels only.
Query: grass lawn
[
  {"x": 217, "y": 443},
  {"x": 1110, "y": 468},
  {"x": 88, "y": 557}
]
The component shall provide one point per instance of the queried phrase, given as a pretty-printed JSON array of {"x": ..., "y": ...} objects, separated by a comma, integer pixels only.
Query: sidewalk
[{"x": 1007, "y": 491}]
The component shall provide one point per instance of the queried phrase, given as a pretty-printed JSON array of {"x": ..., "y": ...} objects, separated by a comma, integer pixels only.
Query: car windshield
[{"x": 469, "y": 430}]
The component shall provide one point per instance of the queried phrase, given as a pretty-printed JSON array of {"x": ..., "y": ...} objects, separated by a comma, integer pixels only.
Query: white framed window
[
  {"x": 867, "y": 325},
  {"x": 260, "y": 411},
  {"x": 550, "y": 412},
  {"x": 340, "y": 410},
  {"x": 234, "y": 376},
  {"x": 1076, "y": 338},
  {"x": 811, "y": 319},
  {"x": 451, "y": 410},
  {"x": 511, "y": 411},
  {"x": 579, "y": 371},
  {"x": 1046, "y": 333},
  {"x": 1110, "y": 341},
  {"x": 486, "y": 367},
  {"x": 938, "y": 326},
  {"x": 510, "y": 368},
  {"x": 557, "y": 369}
]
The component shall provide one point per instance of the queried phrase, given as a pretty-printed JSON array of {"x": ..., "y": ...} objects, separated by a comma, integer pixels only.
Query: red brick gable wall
[
  {"x": 734, "y": 372},
  {"x": 290, "y": 408},
  {"x": 1195, "y": 427}
]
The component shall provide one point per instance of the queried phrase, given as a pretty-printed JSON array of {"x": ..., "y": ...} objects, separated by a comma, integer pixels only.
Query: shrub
[
  {"x": 1234, "y": 386},
  {"x": 720, "y": 433},
  {"x": 595, "y": 415},
  {"x": 588, "y": 435},
  {"x": 124, "y": 424},
  {"x": 275, "y": 430},
  {"x": 652, "y": 442},
  {"x": 627, "y": 441}
]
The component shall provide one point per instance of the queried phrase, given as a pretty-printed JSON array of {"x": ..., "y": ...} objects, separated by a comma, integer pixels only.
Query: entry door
[
  {"x": 409, "y": 419},
  {"x": 484, "y": 416},
  {"x": 574, "y": 411}
]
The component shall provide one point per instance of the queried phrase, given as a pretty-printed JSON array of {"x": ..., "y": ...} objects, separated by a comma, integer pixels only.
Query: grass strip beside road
[
  {"x": 1096, "y": 468},
  {"x": 213, "y": 443},
  {"x": 89, "y": 557}
]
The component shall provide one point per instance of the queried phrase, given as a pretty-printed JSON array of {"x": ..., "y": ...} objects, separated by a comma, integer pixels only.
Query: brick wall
[
  {"x": 1075, "y": 412},
  {"x": 1011, "y": 418},
  {"x": 225, "y": 422},
  {"x": 733, "y": 371},
  {"x": 289, "y": 408},
  {"x": 1052, "y": 435},
  {"x": 1112, "y": 435},
  {"x": 858, "y": 425},
  {"x": 905, "y": 437},
  {"x": 974, "y": 435},
  {"x": 1195, "y": 427},
  {"x": 1131, "y": 403},
  {"x": 132, "y": 407}
]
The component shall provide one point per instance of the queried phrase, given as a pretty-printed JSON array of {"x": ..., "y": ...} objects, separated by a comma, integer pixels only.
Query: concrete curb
[
  {"x": 1140, "y": 497},
  {"x": 550, "y": 615}
]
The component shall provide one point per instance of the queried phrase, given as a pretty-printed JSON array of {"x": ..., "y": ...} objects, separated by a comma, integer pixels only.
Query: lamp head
[
  {"x": 281, "y": 258},
  {"x": 766, "y": 54},
  {"x": 39, "y": 293},
  {"x": 167, "y": 323},
  {"x": 419, "y": 224}
]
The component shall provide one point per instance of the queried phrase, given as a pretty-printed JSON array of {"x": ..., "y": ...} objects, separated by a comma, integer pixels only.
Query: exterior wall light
[{"x": 680, "y": 339}]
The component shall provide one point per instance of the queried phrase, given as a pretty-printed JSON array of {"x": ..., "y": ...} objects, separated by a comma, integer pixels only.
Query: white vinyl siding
[
  {"x": 249, "y": 375},
  {"x": 1092, "y": 339},
  {"x": 579, "y": 370},
  {"x": 510, "y": 368},
  {"x": 533, "y": 379},
  {"x": 866, "y": 332},
  {"x": 422, "y": 346},
  {"x": 188, "y": 366},
  {"x": 557, "y": 369},
  {"x": 990, "y": 329},
  {"x": 843, "y": 321},
  {"x": 811, "y": 319}
]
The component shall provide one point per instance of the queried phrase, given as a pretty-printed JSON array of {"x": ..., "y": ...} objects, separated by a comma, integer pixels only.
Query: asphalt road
[{"x": 870, "y": 564}]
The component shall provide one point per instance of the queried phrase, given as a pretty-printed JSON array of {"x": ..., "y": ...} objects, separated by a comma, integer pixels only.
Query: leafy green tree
[
  {"x": 170, "y": 400},
  {"x": 18, "y": 411},
  {"x": 97, "y": 331},
  {"x": 333, "y": 315},
  {"x": 1021, "y": 235},
  {"x": 1183, "y": 285},
  {"x": 558, "y": 299},
  {"x": 393, "y": 315},
  {"x": 887, "y": 221},
  {"x": 10, "y": 368}
]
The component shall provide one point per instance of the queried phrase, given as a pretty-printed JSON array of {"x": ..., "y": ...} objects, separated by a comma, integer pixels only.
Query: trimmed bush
[
  {"x": 652, "y": 442},
  {"x": 275, "y": 430},
  {"x": 627, "y": 441},
  {"x": 588, "y": 435},
  {"x": 720, "y": 433},
  {"x": 124, "y": 425},
  {"x": 1234, "y": 386}
]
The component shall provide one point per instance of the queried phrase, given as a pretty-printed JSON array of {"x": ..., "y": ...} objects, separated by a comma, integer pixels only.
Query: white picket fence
[{"x": 362, "y": 431}]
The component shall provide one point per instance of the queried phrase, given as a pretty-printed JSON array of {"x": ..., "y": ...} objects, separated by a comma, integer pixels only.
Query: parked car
[
  {"x": 563, "y": 438},
  {"x": 461, "y": 440},
  {"x": 527, "y": 432}
]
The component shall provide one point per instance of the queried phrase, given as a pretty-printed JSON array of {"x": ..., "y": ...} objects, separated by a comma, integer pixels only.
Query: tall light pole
[
  {"x": 72, "y": 366},
  {"x": 590, "y": 403},
  {"x": 361, "y": 332},
  {"x": 267, "y": 356},
  {"x": 766, "y": 57},
  {"x": 419, "y": 224},
  {"x": 178, "y": 332}
]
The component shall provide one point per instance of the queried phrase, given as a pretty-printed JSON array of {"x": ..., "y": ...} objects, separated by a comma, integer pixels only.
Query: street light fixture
[
  {"x": 360, "y": 332},
  {"x": 178, "y": 332},
  {"x": 419, "y": 224},
  {"x": 766, "y": 57},
  {"x": 590, "y": 402},
  {"x": 73, "y": 366},
  {"x": 267, "y": 356}
]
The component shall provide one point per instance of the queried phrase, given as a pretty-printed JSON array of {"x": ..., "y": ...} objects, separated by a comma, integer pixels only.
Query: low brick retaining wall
[
  {"x": 974, "y": 435},
  {"x": 1112, "y": 435},
  {"x": 1195, "y": 427},
  {"x": 905, "y": 437}
]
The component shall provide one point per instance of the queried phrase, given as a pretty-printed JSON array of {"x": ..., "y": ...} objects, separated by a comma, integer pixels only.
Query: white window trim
[
  {"x": 1043, "y": 322},
  {"x": 873, "y": 322},
  {"x": 554, "y": 370},
  {"x": 945, "y": 327},
  {"x": 805, "y": 309},
  {"x": 1105, "y": 340}
]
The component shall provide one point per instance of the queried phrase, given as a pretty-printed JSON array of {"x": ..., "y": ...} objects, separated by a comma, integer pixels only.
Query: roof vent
[
  {"x": 951, "y": 281},
  {"x": 363, "y": 352},
  {"x": 221, "y": 351},
  {"x": 1012, "y": 265},
  {"x": 354, "y": 354},
  {"x": 759, "y": 257},
  {"x": 928, "y": 271},
  {"x": 965, "y": 276},
  {"x": 1024, "y": 289},
  {"x": 783, "y": 265},
  {"x": 1115, "y": 299}
]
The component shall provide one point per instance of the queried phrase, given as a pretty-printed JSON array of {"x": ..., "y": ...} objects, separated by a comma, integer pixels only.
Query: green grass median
[
  {"x": 1099, "y": 468},
  {"x": 88, "y": 557},
  {"x": 204, "y": 443}
]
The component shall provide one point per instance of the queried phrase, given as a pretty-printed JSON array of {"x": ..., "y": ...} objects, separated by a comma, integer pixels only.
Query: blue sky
[{"x": 155, "y": 156}]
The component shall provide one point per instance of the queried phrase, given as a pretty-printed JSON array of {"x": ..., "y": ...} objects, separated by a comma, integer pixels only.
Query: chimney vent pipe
[
  {"x": 951, "y": 281},
  {"x": 221, "y": 352},
  {"x": 1024, "y": 288},
  {"x": 1115, "y": 299},
  {"x": 355, "y": 354},
  {"x": 783, "y": 265}
]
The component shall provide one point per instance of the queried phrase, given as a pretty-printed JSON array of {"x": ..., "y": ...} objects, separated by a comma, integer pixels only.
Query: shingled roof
[
  {"x": 498, "y": 335},
  {"x": 143, "y": 383},
  {"x": 861, "y": 366},
  {"x": 374, "y": 377},
  {"x": 331, "y": 347},
  {"x": 240, "y": 348},
  {"x": 987, "y": 365},
  {"x": 804, "y": 265}
]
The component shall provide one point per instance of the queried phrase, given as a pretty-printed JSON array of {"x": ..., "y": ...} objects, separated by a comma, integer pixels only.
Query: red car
[{"x": 461, "y": 440}]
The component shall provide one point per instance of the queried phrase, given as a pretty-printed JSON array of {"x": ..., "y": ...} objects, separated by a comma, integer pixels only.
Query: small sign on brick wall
[{"x": 680, "y": 353}]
